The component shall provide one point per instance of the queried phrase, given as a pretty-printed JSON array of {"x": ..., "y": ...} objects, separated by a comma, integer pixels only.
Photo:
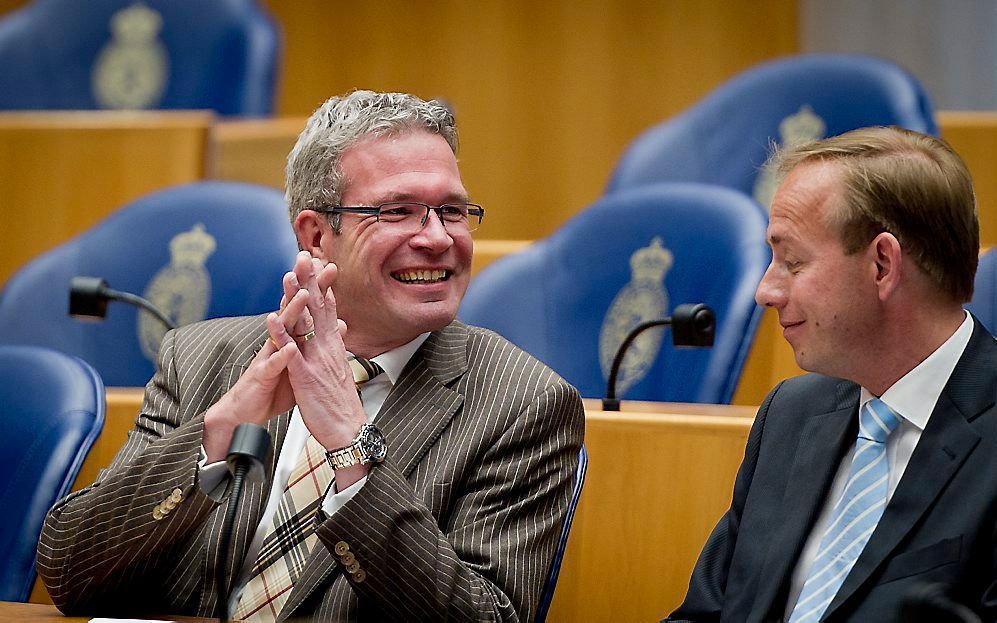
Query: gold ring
[{"x": 305, "y": 337}]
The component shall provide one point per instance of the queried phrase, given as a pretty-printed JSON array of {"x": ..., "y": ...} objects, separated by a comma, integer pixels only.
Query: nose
[
  {"x": 771, "y": 291},
  {"x": 433, "y": 235}
]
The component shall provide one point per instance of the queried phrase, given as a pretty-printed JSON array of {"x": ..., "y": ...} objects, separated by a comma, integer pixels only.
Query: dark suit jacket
[
  {"x": 459, "y": 523},
  {"x": 939, "y": 526}
]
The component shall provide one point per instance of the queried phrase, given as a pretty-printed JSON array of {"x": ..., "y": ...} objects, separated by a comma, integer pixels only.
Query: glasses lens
[{"x": 456, "y": 217}]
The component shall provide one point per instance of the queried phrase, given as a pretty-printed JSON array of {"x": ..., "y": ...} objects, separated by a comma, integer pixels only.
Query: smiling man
[
  {"x": 870, "y": 481},
  {"x": 422, "y": 467}
]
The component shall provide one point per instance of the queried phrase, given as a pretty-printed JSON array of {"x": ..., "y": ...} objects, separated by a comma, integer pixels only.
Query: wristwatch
[{"x": 368, "y": 447}]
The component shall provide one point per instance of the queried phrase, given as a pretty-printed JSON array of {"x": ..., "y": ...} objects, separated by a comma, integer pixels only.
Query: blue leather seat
[
  {"x": 199, "y": 251},
  {"x": 53, "y": 408},
  {"x": 220, "y": 55},
  {"x": 555, "y": 566},
  {"x": 570, "y": 299},
  {"x": 984, "y": 303},
  {"x": 726, "y": 138}
]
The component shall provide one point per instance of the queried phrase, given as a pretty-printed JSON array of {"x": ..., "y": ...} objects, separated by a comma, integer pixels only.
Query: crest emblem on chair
[
  {"x": 131, "y": 70},
  {"x": 644, "y": 298},
  {"x": 182, "y": 288},
  {"x": 793, "y": 130}
]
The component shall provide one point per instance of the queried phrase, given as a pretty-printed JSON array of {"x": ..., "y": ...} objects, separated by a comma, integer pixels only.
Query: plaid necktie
[
  {"x": 291, "y": 533},
  {"x": 855, "y": 516}
]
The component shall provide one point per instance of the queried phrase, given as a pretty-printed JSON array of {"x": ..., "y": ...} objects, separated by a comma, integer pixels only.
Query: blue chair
[
  {"x": 198, "y": 251},
  {"x": 570, "y": 299},
  {"x": 726, "y": 138},
  {"x": 984, "y": 303},
  {"x": 555, "y": 566},
  {"x": 53, "y": 407},
  {"x": 220, "y": 55}
]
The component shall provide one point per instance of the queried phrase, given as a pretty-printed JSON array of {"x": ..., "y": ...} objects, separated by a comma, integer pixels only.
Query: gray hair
[{"x": 313, "y": 178}]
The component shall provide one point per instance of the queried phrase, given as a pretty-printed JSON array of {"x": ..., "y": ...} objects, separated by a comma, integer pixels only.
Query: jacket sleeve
[
  {"x": 102, "y": 547},
  {"x": 704, "y": 602},
  {"x": 489, "y": 558}
]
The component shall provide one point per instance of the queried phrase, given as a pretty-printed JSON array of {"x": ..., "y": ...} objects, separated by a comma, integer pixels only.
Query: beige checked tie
[{"x": 291, "y": 533}]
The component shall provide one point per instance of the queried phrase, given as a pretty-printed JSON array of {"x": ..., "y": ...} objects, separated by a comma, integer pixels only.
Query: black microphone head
[
  {"x": 87, "y": 297},
  {"x": 693, "y": 325},
  {"x": 250, "y": 444}
]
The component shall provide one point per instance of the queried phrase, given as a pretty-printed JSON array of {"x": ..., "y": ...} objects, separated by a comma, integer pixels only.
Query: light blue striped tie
[{"x": 855, "y": 516}]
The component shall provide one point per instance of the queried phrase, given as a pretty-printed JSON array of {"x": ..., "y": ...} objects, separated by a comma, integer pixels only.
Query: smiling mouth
[{"x": 422, "y": 276}]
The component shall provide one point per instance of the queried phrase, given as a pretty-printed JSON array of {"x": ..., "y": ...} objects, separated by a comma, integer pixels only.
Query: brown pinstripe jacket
[{"x": 459, "y": 523}]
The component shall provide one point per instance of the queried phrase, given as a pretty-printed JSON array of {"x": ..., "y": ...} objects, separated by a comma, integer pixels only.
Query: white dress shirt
[
  {"x": 213, "y": 477},
  {"x": 913, "y": 398}
]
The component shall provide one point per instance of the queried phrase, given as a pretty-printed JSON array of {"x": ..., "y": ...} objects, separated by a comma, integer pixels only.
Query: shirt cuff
[
  {"x": 336, "y": 500},
  {"x": 213, "y": 477}
]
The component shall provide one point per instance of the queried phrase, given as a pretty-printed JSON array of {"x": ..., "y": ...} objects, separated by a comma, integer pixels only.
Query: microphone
[
  {"x": 88, "y": 297},
  {"x": 692, "y": 325},
  {"x": 246, "y": 453},
  {"x": 928, "y": 603}
]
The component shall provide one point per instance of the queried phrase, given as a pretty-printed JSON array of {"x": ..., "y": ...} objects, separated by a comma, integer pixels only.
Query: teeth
[{"x": 423, "y": 276}]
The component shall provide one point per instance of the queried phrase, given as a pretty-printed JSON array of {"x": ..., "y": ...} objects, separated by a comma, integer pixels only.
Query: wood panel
[
  {"x": 60, "y": 173},
  {"x": 974, "y": 137},
  {"x": 547, "y": 94}
]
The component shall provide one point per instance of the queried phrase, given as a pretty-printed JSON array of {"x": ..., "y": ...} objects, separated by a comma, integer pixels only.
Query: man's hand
[{"x": 320, "y": 377}]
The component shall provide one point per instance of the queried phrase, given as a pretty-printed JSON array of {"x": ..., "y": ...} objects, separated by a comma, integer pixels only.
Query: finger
[
  {"x": 291, "y": 316},
  {"x": 342, "y": 327},
  {"x": 327, "y": 276},
  {"x": 317, "y": 298},
  {"x": 278, "y": 332},
  {"x": 290, "y": 287}
]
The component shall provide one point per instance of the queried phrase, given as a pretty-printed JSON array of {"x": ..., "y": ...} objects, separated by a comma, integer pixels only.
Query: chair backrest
[
  {"x": 570, "y": 299},
  {"x": 53, "y": 407},
  {"x": 984, "y": 303},
  {"x": 726, "y": 138},
  {"x": 198, "y": 251},
  {"x": 220, "y": 55},
  {"x": 555, "y": 565}
]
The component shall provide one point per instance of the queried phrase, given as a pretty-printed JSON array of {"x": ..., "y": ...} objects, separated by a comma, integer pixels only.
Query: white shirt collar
[
  {"x": 914, "y": 396},
  {"x": 393, "y": 362}
]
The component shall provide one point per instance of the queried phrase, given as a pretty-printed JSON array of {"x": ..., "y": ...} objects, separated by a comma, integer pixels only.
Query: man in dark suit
[
  {"x": 437, "y": 493},
  {"x": 874, "y": 477}
]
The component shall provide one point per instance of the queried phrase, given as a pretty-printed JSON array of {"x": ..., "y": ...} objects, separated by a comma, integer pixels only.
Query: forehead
[
  {"x": 413, "y": 165},
  {"x": 804, "y": 201}
]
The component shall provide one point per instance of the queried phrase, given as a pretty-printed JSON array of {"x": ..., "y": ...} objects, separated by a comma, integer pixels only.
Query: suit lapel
[
  {"x": 825, "y": 439},
  {"x": 412, "y": 418},
  {"x": 943, "y": 447}
]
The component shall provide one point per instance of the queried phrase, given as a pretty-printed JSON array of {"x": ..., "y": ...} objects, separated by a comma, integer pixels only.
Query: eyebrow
[{"x": 407, "y": 196}]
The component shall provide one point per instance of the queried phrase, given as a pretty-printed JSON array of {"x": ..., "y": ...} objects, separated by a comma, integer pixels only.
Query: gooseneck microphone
[
  {"x": 88, "y": 297},
  {"x": 928, "y": 603},
  {"x": 692, "y": 325},
  {"x": 246, "y": 453}
]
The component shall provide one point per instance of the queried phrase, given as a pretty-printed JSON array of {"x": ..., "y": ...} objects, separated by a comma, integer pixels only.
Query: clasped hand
[{"x": 313, "y": 374}]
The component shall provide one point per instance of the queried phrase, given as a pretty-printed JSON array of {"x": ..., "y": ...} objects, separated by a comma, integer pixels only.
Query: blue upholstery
[
  {"x": 220, "y": 55},
  {"x": 551, "y": 298},
  {"x": 562, "y": 543},
  {"x": 984, "y": 303},
  {"x": 251, "y": 245},
  {"x": 53, "y": 408},
  {"x": 726, "y": 138}
]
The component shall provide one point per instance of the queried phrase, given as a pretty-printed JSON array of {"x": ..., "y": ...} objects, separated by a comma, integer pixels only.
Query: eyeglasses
[{"x": 412, "y": 216}]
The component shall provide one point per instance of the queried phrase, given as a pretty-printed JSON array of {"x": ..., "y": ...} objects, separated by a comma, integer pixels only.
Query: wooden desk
[
  {"x": 47, "y": 613},
  {"x": 659, "y": 477}
]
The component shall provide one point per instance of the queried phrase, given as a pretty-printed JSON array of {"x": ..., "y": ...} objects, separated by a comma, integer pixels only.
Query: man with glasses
[{"x": 422, "y": 468}]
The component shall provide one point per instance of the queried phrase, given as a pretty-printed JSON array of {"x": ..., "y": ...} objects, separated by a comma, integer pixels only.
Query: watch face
[{"x": 373, "y": 444}]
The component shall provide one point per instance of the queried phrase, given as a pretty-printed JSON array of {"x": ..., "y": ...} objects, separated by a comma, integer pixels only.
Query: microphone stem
[
  {"x": 610, "y": 403},
  {"x": 238, "y": 478},
  {"x": 128, "y": 297}
]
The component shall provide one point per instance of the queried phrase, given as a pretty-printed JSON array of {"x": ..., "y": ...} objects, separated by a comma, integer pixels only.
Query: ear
[
  {"x": 888, "y": 257},
  {"x": 314, "y": 233}
]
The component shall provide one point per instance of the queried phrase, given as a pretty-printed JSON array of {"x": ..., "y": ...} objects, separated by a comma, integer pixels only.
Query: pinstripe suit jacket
[{"x": 459, "y": 523}]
